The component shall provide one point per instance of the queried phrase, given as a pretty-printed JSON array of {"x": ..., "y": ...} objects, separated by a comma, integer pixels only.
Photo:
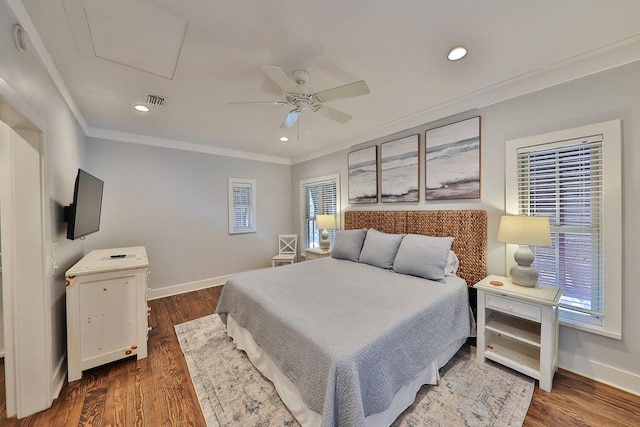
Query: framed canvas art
[
  {"x": 400, "y": 170},
  {"x": 363, "y": 175},
  {"x": 453, "y": 161}
]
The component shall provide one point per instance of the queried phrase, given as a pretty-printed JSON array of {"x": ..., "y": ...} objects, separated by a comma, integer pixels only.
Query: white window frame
[
  {"x": 611, "y": 325},
  {"x": 318, "y": 180},
  {"x": 234, "y": 227}
]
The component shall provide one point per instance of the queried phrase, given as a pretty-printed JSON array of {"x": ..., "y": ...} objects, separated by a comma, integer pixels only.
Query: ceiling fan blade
[
  {"x": 291, "y": 119},
  {"x": 279, "y": 103},
  {"x": 280, "y": 78},
  {"x": 332, "y": 113},
  {"x": 341, "y": 92}
]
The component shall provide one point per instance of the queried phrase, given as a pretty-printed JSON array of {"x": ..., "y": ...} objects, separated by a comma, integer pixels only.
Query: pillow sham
[
  {"x": 380, "y": 248},
  {"x": 451, "y": 268},
  {"x": 348, "y": 244},
  {"x": 423, "y": 256}
]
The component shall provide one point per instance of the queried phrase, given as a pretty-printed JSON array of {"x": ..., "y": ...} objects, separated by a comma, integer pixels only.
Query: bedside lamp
[
  {"x": 524, "y": 231},
  {"x": 322, "y": 223}
]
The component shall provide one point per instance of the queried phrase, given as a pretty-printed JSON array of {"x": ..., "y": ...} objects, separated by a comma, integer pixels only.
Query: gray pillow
[
  {"x": 423, "y": 256},
  {"x": 348, "y": 243},
  {"x": 380, "y": 249}
]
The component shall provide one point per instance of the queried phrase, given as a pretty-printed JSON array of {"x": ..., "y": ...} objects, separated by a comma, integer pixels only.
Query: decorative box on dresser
[
  {"x": 518, "y": 327},
  {"x": 106, "y": 308}
]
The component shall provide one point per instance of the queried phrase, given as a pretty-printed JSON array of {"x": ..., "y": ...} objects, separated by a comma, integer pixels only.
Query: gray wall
[
  {"x": 175, "y": 203},
  {"x": 605, "y": 96}
]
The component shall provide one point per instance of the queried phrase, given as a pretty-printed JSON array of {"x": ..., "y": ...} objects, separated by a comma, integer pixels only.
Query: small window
[{"x": 242, "y": 206}]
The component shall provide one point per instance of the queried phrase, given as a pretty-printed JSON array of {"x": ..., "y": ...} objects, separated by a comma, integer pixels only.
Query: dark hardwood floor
[{"x": 157, "y": 390}]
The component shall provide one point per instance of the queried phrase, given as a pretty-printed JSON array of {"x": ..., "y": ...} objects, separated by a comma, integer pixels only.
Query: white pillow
[{"x": 451, "y": 268}]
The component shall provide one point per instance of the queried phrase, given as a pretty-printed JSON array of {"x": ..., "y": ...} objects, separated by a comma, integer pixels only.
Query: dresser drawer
[{"x": 515, "y": 308}]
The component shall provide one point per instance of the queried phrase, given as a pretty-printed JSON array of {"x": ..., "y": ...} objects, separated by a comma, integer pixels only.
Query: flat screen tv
[{"x": 83, "y": 215}]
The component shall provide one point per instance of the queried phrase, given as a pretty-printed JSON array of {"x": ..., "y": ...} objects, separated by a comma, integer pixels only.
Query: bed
[{"x": 350, "y": 339}]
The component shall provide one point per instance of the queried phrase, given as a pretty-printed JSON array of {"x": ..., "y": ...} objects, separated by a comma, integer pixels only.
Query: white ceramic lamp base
[
  {"x": 325, "y": 244},
  {"x": 523, "y": 274}
]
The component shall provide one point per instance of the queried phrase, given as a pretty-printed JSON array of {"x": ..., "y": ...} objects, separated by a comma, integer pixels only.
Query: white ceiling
[{"x": 203, "y": 54}]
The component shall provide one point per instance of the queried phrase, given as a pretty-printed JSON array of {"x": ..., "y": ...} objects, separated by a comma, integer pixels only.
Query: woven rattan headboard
[{"x": 467, "y": 227}]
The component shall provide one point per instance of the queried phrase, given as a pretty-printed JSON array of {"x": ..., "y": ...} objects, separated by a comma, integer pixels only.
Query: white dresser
[{"x": 106, "y": 308}]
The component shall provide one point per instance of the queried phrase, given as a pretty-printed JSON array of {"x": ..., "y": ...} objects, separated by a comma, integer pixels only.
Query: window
[
  {"x": 242, "y": 206},
  {"x": 564, "y": 176},
  {"x": 318, "y": 196}
]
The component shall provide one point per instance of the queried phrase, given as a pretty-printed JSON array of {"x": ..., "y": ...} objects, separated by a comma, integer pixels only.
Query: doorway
[{"x": 27, "y": 354}]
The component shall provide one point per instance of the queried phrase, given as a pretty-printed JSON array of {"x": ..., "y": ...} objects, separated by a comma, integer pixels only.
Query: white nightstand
[
  {"x": 314, "y": 253},
  {"x": 518, "y": 327}
]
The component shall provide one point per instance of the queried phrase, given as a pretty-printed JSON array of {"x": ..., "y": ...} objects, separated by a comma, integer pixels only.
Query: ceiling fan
[{"x": 301, "y": 96}]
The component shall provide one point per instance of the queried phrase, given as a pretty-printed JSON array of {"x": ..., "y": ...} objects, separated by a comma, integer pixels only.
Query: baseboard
[
  {"x": 615, "y": 377},
  {"x": 187, "y": 287},
  {"x": 59, "y": 375}
]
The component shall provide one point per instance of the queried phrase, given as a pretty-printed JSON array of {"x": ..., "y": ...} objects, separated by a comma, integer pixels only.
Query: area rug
[{"x": 232, "y": 392}]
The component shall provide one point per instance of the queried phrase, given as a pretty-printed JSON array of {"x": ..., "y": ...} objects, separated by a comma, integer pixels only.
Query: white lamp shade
[
  {"x": 524, "y": 230},
  {"x": 324, "y": 222}
]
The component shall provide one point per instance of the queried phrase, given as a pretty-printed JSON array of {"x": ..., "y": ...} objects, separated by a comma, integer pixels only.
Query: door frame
[{"x": 27, "y": 393}]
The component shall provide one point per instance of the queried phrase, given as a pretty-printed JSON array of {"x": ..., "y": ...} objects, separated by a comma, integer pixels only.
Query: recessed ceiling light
[
  {"x": 284, "y": 139},
  {"x": 142, "y": 108},
  {"x": 457, "y": 53}
]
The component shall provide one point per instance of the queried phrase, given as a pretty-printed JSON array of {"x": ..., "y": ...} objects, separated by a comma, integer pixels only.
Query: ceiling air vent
[{"x": 155, "y": 100}]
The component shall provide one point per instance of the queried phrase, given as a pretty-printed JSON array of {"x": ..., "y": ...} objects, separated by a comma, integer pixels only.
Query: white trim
[
  {"x": 133, "y": 138},
  {"x": 16, "y": 387},
  {"x": 615, "y": 377},
  {"x": 611, "y": 132},
  {"x": 183, "y": 288},
  {"x": 26, "y": 301}
]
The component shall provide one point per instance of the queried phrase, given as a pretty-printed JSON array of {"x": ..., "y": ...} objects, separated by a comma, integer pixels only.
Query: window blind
[
  {"x": 242, "y": 206},
  {"x": 564, "y": 181},
  {"x": 318, "y": 198}
]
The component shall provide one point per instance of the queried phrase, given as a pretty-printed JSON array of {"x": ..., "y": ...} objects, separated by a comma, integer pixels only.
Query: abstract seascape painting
[
  {"x": 453, "y": 161},
  {"x": 363, "y": 175},
  {"x": 400, "y": 170}
]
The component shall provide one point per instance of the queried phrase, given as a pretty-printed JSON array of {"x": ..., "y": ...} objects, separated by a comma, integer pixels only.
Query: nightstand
[
  {"x": 315, "y": 253},
  {"x": 518, "y": 327}
]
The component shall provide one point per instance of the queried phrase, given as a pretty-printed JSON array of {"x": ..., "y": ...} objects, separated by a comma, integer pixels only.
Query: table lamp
[
  {"x": 322, "y": 223},
  {"x": 524, "y": 231}
]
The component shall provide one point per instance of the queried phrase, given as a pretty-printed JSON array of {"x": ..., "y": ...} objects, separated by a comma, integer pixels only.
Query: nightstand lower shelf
[{"x": 513, "y": 354}]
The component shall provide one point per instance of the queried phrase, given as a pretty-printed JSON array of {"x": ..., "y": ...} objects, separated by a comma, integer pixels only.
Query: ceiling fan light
[
  {"x": 141, "y": 107},
  {"x": 457, "y": 53},
  {"x": 284, "y": 139}
]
